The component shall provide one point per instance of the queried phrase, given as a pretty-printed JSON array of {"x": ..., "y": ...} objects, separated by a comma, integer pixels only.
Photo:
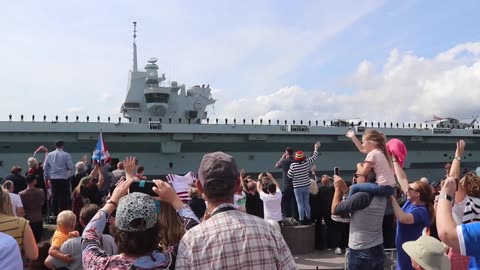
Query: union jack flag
[{"x": 100, "y": 154}]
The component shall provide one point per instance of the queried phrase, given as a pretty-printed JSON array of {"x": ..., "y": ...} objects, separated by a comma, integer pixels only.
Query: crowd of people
[{"x": 223, "y": 218}]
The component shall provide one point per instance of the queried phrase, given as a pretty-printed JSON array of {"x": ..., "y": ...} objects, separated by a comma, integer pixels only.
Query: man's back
[
  {"x": 58, "y": 165},
  {"x": 366, "y": 225},
  {"x": 234, "y": 240},
  {"x": 73, "y": 247}
]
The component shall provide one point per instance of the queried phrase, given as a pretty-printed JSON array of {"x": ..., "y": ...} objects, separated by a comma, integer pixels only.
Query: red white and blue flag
[{"x": 100, "y": 154}]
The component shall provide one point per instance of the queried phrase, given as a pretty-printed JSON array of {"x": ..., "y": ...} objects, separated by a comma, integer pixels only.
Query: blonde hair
[
  {"x": 471, "y": 184},
  {"x": 171, "y": 227},
  {"x": 32, "y": 162},
  {"x": 5, "y": 203},
  {"x": 381, "y": 140},
  {"x": 194, "y": 193},
  {"x": 67, "y": 218}
]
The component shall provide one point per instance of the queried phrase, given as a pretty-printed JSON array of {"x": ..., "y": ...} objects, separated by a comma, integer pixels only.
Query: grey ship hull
[{"x": 178, "y": 148}]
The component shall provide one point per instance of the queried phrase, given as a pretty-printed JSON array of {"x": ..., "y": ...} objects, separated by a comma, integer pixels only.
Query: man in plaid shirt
[{"x": 228, "y": 238}]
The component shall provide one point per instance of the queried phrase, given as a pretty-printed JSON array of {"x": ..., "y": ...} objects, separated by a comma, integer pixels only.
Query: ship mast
[{"x": 135, "y": 68}]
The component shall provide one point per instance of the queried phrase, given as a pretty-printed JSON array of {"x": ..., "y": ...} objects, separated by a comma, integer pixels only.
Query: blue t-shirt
[
  {"x": 469, "y": 237},
  {"x": 9, "y": 253},
  {"x": 410, "y": 232}
]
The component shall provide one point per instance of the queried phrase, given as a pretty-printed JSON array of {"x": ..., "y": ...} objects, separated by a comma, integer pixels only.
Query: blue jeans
[
  {"x": 302, "y": 195},
  {"x": 371, "y": 258},
  {"x": 373, "y": 189}
]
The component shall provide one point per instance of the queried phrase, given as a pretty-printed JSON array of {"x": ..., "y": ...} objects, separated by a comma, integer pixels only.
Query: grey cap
[
  {"x": 136, "y": 207},
  {"x": 218, "y": 173}
]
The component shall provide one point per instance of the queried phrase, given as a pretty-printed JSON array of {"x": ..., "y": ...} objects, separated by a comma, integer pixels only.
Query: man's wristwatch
[{"x": 458, "y": 158}]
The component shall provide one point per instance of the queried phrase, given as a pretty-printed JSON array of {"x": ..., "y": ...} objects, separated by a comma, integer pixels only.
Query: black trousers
[
  {"x": 388, "y": 228},
  {"x": 324, "y": 234},
  {"x": 61, "y": 195},
  {"x": 341, "y": 231},
  {"x": 37, "y": 228},
  {"x": 289, "y": 204}
]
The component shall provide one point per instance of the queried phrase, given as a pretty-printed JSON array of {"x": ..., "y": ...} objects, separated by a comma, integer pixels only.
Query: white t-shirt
[
  {"x": 272, "y": 205},
  {"x": 458, "y": 209},
  {"x": 16, "y": 202}
]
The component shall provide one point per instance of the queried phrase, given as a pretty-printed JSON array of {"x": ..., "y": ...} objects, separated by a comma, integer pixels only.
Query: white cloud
[
  {"x": 66, "y": 56},
  {"x": 407, "y": 88}
]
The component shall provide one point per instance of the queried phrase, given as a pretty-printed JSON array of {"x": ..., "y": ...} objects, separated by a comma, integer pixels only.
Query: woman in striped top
[
  {"x": 17, "y": 227},
  {"x": 298, "y": 172}
]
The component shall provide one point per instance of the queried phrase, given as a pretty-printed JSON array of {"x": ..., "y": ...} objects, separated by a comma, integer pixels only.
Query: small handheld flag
[{"x": 100, "y": 154}]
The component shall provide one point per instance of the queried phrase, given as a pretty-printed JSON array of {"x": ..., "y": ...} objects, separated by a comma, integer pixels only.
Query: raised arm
[
  {"x": 101, "y": 178},
  {"x": 259, "y": 186},
  {"x": 455, "y": 169},
  {"x": 273, "y": 180},
  {"x": 447, "y": 230},
  {"x": 130, "y": 166},
  {"x": 400, "y": 173},
  {"x": 356, "y": 141},
  {"x": 279, "y": 162},
  {"x": 313, "y": 158},
  {"x": 29, "y": 243}
]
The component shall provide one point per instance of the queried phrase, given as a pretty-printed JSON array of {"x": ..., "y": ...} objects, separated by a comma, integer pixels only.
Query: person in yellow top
[
  {"x": 17, "y": 227},
  {"x": 66, "y": 221}
]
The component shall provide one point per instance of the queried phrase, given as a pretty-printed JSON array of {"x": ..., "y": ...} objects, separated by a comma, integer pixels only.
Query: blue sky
[{"x": 321, "y": 58}]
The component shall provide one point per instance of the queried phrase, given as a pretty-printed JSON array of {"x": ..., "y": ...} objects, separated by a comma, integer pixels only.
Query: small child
[
  {"x": 66, "y": 222},
  {"x": 374, "y": 145}
]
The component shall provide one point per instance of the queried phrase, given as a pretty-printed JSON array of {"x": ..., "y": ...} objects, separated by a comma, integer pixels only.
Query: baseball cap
[
  {"x": 428, "y": 252},
  {"x": 136, "y": 212},
  {"x": 218, "y": 173}
]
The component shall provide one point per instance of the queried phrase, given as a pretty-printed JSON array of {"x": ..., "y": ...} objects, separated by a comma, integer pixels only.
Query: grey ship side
[{"x": 168, "y": 130}]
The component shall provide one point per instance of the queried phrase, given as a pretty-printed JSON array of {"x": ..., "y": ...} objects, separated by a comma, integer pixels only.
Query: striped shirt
[
  {"x": 58, "y": 165},
  {"x": 13, "y": 226},
  {"x": 182, "y": 184},
  {"x": 472, "y": 210},
  {"x": 299, "y": 171}
]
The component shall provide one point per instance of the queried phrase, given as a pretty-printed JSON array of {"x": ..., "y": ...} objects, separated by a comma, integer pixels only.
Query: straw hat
[
  {"x": 299, "y": 156},
  {"x": 428, "y": 252}
]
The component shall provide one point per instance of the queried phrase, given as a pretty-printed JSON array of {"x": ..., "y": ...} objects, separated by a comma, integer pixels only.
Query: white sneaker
[{"x": 338, "y": 251}]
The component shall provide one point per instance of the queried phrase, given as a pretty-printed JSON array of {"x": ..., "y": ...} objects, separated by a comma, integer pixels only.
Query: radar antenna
[{"x": 135, "y": 67}]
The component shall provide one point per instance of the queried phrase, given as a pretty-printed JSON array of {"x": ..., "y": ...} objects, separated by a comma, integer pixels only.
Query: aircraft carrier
[{"x": 167, "y": 128}]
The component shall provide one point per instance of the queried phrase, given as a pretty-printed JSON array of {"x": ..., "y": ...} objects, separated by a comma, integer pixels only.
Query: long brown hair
[
  {"x": 426, "y": 196},
  {"x": 171, "y": 227},
  {"x": 381, "y": 140}
]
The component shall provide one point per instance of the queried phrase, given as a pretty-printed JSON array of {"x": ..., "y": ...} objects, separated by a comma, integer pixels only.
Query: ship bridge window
[
  {"x": 157, "y": 97},
  {"x": 192, "y": 114},
  {"x": 131, "y": 105},
  {"x": 299, "y": 128},
  {"x": 442, "y": 131}
]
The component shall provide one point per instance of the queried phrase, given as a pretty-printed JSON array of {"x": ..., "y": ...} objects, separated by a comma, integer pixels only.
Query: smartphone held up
[
  {"x": 336, "y": 171},
  {"x": 143, "y": 186}
]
